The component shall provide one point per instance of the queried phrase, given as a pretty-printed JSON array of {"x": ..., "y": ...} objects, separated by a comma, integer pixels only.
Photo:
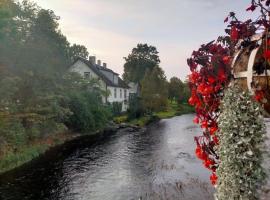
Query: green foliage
[
  {"x": 242, "y": 136},
  {"x": 144, "y": 120},
  {"x": 141, "y": 59},
  {"x": 39, "y": 99},
  {"x": 13, "y": 132},
  {"x": 116, "y": 108},
  {"x": 184, "y": 94},
  {"x": 175, "y": 88},
  {"x": 120, "y": 119},
  {"x": 135, "y": 109},
  {"x": 78, "y": 51},
  {"x": 14, "y": 159},
  {"x": 154, "y": 90},
  {"x": 88, "y": 113}
]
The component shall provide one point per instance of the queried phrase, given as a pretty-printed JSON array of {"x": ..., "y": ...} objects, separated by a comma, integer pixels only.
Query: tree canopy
[
  {"x": 142, "y": 58},
  {"x": 154, "y": 90},
  {"x": 39, "y": 98}
]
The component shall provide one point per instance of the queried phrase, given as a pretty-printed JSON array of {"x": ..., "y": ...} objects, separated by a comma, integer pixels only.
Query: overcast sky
[{"x": 111, "y": 28}]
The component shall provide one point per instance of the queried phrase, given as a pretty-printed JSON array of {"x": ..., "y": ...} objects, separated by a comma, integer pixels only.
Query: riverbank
[
  {"x": 172, "y": 110},
  {"x": 159, "y": 164},
  {"x": 13, "y": 159},
  {"x": 29, "y": 152}
]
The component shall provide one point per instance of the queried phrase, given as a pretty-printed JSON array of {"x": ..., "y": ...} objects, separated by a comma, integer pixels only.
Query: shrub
[
  {"x": 88, "y": 112},
  {"x": 241, "y": 135},
  {"x": 13, "y": 132},
  {"x": 116, "y": 108},
  {"x": 135, "y": 109}
]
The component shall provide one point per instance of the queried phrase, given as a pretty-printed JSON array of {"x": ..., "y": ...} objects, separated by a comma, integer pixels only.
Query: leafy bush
[
  {"x": 88, "y": 112},
  {"x": 241, "y": 135},
  {"x": 116, "y": 108},
  {"x": 135, "y": 109}
]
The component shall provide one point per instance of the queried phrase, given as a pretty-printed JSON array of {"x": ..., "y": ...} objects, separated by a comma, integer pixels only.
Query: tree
[
  {"x": 154, "y": 90},
  {"x": 78, "y": 51},
  {"x": 185, "y": 93},
  {"x": 53, "y": 56},
  {"x": 141, "y": 59},
  {"x": 36, "y": 99},
  {"x": 175, "y": 88},
  {"x": 241, "y": 135}
]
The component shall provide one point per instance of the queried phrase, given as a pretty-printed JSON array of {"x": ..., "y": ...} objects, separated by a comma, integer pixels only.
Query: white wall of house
[
  {"x": 81, "y": 68},
  {"x": 118, "y": 95}
]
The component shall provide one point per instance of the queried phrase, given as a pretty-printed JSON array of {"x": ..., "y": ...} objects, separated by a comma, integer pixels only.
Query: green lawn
[{"x": 172, "y": 110}]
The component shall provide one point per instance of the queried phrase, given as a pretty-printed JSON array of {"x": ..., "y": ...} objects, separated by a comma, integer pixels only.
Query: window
[
  {"x": 115, "y": 93},
  {"x": 125, "y": 94},
  {"x": 120, "y": 93},
  {"x": 86, "y": 74}
]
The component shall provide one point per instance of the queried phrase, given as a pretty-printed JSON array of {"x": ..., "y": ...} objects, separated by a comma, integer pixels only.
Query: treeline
[
  {"x": 142, "y": 67},
  {"x": 38, "y": 97}
]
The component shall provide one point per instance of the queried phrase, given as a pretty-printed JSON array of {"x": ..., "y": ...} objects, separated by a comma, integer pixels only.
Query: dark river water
[{"x": 156, "y": 164}]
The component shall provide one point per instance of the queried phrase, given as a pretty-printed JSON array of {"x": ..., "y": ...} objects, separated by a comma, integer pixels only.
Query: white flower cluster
[{"x": 242, "y": 135}]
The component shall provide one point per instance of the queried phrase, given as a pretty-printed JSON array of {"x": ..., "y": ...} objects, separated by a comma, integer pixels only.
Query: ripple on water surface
[{"x": 156, "y": 164}]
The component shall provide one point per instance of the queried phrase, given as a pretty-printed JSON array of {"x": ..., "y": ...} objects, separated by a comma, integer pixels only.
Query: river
[{"x": 156, "y": 164}]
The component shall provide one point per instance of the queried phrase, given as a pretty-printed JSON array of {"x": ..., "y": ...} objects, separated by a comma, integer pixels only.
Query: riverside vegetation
[{"x": 41, "y": 105}]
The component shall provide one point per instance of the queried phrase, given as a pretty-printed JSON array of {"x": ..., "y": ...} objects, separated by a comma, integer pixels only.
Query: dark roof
[
  {"x": 122, "y": 83},
  {"x": 96, "y": 69},
  {"x": 105, "y": 69}
]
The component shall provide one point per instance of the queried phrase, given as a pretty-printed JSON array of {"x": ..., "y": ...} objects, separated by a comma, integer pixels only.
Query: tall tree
[
  {"x": 142, "y": 58},
  {"x": 53, "y": 56},
  {"x": 78, "y": 51},
  {"x": 8, "y": 32},
  {"x": 154, "y": 90},
  {"x": 175, "y": 88}
]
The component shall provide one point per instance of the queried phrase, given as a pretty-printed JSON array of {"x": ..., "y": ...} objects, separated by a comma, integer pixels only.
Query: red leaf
[
  {"x": 213, "y": 179},
  {"x": 196, "y": 120},
  {"x": 266, "y": 54},
  {"x": 226, "y": 60},
  {"x": 234, "y": 34},
  {"x": 251, "y": 8}
]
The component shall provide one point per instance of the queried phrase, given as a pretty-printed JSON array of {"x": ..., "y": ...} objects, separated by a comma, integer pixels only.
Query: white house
[{"x": 110, "y": 81}]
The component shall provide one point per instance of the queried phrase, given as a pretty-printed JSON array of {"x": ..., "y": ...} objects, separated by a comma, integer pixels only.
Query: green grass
[
  {"x": 120, "y": 119},
  {"x": 24, "y": 154},
  {"x": 145, "y": 120},
  {"x": 12, "y": 159},
  {"x": 172, "y": 110}
]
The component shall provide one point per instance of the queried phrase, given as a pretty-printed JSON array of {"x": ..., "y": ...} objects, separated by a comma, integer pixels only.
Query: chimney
[
  {"x": 92, "y": 59},
  {"x": 99, "y": 62},
  {"x": 105, "y": 65}
]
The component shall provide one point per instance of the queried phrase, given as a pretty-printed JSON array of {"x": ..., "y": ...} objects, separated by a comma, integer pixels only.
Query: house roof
[
  {"x": 96, "y": 68},
  {"x": 105, "y": 69}
]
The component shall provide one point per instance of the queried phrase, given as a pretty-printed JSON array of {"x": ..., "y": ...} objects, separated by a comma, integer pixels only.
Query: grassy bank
[
  {"x": 12, "y": 159},
  {"x": 172, "y": 110}
]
